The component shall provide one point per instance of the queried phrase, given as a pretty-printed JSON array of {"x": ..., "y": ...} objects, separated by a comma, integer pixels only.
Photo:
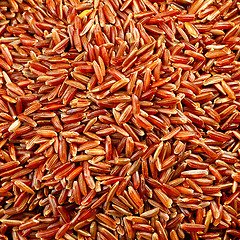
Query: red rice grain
[{"x": 119, "y": 119}]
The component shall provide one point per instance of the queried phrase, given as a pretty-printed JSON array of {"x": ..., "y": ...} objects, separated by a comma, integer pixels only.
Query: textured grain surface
[{"x": 119, "y": 119}]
